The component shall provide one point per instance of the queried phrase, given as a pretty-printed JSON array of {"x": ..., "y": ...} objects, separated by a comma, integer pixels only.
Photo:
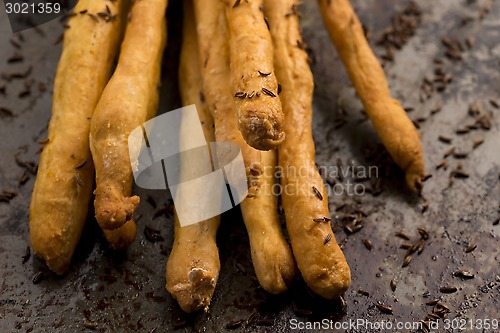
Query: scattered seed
[
  {"x": 252, "y": 94},
  {"x": 406, "y": 246},
  {"x": 448, "y": 290},
  {"x": 90, "y": 325},
  {"x": 322, "y": 219},
  {"x": 240, "y": 94},
  {"x": 78, "y": 179},
  {"x": 268, "y": 92},
  {"x": 459, "y": 174},
  {"x": 17, "y": 57},
  {"x": 384, "y": 308},
  {"x": 264, "y": 322},
  {"x": 463, "y": 274},
  {"x": 108, "y": 278},
  {"x": 494, "y": 104},
  {"x": 236, "y": 3},
  {"x": 368, "y": 244},
  {"x": 279, "y": 88},
  {"x": 38, "y": 277},
  {"x": 393, "y": 284},
  {"x": 153, "y": 235},
  {"x": 449, "y": 152},
  {"x": 432, "y": 302},
  {"x": 92, "y": 16},
  {"x": 7, "y": 111},
  {"x": 407, "y": 260},
  {"x": 23, "y": 179},
  {"x": 436, "y": 108},
  {"x": 423, "y": 233},
  {"x": 264, "y": 73},
  {"x": 363, "y": 292},
  {"x": 318, "y": 193},
  {"x": 327, "y": 239},
  {"x": 84, "y": 11},
  {"x": 421, "y": 246},
  {"x": 241, "y": 268},
  {"x": 58, "y": 40},
  {"x": 27, "y": 254},
  {"x": 496, "y": 222},
  {"x": 477, "y": 143},
  {"x": 300, "y": 312},
  {"x": 460, "y": 155},
  {"x": 81, "y": 164},
  {"x": 471, "y": 247},
  {"x": 236, "y": 323},
  {"x": 443, "y": 164},
  {"x": 445, "y": 139},
  {"x": 401, "y": 234}
]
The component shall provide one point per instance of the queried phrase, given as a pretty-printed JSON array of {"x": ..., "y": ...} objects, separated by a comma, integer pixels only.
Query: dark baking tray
[{"x": 124, "y": 291}]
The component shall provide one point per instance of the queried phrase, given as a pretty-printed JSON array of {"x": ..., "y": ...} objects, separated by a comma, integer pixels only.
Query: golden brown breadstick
[
  {"x": 271, "y": 255},
  {"x": 193, "y": 265},
  {"x": 65, "y": 179},
  {"x": 305, "y": 201},
  {"x": 129, "y": 99},
  {"x": 273, "y": 259},
  {"x": 397, "y": 132},
  {"x": 254, "y": 84}
]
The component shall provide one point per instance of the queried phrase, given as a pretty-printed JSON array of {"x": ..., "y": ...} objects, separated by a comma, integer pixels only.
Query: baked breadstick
[
  {"x": 63, "y": 188},
  {"x": 271, "y": 254},
  {"x": 129, "y": 99},
  {"x": 274, "y": 258},
  {"x": 193, "y": 265},
  {"x": 254, "y": 85},
  {"x": 305, "y": 201},
  {"x": 397, "y": 132}
]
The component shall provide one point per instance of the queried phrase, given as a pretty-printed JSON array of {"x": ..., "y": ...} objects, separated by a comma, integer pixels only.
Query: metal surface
[{"x": 457, "y": 215}]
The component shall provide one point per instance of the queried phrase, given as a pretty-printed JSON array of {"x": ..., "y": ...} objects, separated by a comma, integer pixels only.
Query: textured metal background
[{"x": 457, "y": 215}]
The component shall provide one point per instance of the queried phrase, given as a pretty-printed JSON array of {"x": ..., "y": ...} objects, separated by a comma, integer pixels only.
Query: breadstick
[
  {"x": 273, "y": 258},
  {"x": 254, "y": 85},
  {"x": 395, "y": 129},
  {"x": 271, "y": 254},
  {"x": 193, "y": 265},
  {"x": 63, "y": 188},
  {"x": 129, "y": 99},
  {"x": 319, "y": 258}
]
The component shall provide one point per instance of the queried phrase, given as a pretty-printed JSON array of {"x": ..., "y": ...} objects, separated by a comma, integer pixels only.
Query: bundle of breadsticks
[
  {"x": 243, "y": 67},
  {"x": 239, "y": 80}
]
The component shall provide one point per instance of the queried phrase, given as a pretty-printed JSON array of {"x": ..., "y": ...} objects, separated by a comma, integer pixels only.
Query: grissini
[
  {"x": 271, "y": 255},
  {"x": 254, "y": 84},
  {"x": 319, "y": 258},
  {"x": 129, "y": 99},
  {"x": 273, "y": 259},
  {"x": 396, "y": 130},
  {"x": 65, "y": 178},
  {"x": 193, "y": 265}
]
